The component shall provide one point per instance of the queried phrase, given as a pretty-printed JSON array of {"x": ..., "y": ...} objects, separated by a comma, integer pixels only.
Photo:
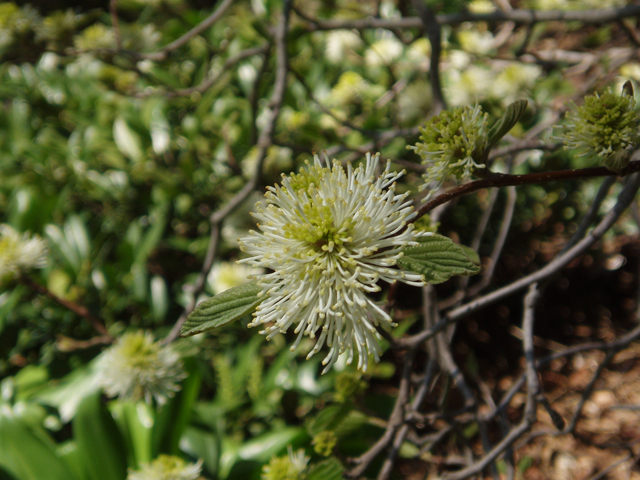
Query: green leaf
[
  {"x": 26, "y": 454},
  {"x": 135, "y": 420},
  {"x": 174, "y": 416},
  {"x": 222, "y": 309},
  {"x": 127, "y": 140},
  {"x": 99, "y": 442},
  {"x": 507, "y": 122},
  {"x": 329, "y": 469},
  {"x": 438, "y": 258}
]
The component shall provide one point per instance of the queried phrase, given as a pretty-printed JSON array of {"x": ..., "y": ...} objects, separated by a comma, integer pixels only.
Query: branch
[
  {"x": 201, "y": 27},
  {"x": 504, "y": 180},
  {"x": 519, "y": 17},
  {"x": 79, "y": 310},
  {"x": 434, "y": 32},
  {"x": 264, "y": 141},
  {"x": 624, "y": 199}
]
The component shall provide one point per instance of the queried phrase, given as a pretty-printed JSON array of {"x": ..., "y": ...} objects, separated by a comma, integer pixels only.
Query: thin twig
[
  {"x": 504, "y": 180},
  {"x": 264, "y": 141},
  {"x": 197, "y": 30},
  {"x": 434, "y": 32},
  {"x": 80, "y": 310},
  {"x": 519, "y": 17}
]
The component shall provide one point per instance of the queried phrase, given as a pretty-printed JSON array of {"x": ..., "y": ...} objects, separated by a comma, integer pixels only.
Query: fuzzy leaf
[
  {"x": 507, "y": 122},
  {"x": 222, "y": 309},
  {"x": 438, "y": 258}
]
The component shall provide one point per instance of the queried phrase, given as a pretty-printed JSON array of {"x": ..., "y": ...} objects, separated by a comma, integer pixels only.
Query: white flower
[
  {"x": 167, "y": 467},
  {"x": 341, "y": 43},
  {"x": 226, "y": 275},
  {"x": 468, "y": 86},
  {"x": 20, "y": 252},
  {"x": 139, "y": 367},
  {"x": 329, "y": 236},
  {"x": 384, "y": 52}
]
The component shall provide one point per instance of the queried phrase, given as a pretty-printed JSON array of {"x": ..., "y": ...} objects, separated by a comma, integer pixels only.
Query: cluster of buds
[
  {"x": 453, "y": 144},
  {"x": 605, "y": 125}
]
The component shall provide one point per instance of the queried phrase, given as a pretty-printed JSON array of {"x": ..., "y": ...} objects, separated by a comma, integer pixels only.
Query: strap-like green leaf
[
  {"x": 224, "y": 308},
  {"x": 438, "y": 258},
  {"x": 329, "y": 469},
  {"x": 507, "y": 122}
]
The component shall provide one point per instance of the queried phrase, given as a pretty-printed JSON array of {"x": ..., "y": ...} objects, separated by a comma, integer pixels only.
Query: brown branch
[
  {"x": 201, "y": 27},
  {"x": 434, "y": 33},
  {"x": 79, "y": 310},
  {"x": 264, "y": 142},
  {"x": 517, "y": 16},
  {"x": 504, "y": 180}
]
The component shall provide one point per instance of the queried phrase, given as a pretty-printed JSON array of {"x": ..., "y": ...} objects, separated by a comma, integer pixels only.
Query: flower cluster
[
  {"x": 291, "y": 467},
  {"x": 139, "y": 367},
  {"x": 167, "y": 467},
  {"x": 453, "y": 142},
  {"x": 605, "y": 125},
  {"x": 328, "y": 236},
  {"x": 19, "y": 253}
]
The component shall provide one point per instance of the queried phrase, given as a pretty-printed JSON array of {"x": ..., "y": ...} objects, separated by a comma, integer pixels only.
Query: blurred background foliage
[{"x": 118, "y": 160}]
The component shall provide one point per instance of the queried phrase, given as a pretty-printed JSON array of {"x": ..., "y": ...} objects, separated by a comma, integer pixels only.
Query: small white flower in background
[
  {"x": 329, "y": 236},
  {"x": 453, "y": 140},
  {"x": 384, "y": 52},
  {"x": 514, "y": 81},
  {"x": 474, "y": 41},
  {"x": 340, "y": 43},
  {"x": 167, "y": 467},
  {"x": 291, "y": 467},
  {"x": 226, "y": 275},
  {"x": 468, "y": 86},
  {"x": 137, "y": 367},
  {"x": 20, "y": 252}
]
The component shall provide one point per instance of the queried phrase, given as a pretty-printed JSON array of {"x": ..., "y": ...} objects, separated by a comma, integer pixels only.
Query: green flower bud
[
  {"x": 291, "y": 467},
  {"x": 348, "y": 386},
  {"x": 454, "y": 142},
  {"x": 167, "y": 467},
  {"x": 606, "y": 126},
  {"x": 324, "y": 443}
]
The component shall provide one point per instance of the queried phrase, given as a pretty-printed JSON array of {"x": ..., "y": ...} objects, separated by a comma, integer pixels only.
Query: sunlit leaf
[{"x": 222, "y": 309}]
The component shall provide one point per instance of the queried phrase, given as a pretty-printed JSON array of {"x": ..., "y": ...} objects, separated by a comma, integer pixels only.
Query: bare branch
[
  {"x": 435, "y": 38},
  {"x": 517, "y": 16},
  {"x": 80, "y": 310},
  {"x": 197, "y": 30}
]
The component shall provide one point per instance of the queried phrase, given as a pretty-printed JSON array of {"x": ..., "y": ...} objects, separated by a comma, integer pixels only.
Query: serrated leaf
[
  {"x": 222, "y": 309},
  {"x": 507, "y": 122},
  {"x": 329, "y": 469},
  {"x": 438, "y": 258}
]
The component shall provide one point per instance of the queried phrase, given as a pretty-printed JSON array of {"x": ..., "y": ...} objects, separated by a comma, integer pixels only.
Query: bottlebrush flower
[
  {"x": 606, "y": 126},
  {"x": 453, "y": 141},
  {"x": 19, "y": 253},
  {"x": 328, "y": 236},
  {"x": 139, "y": 367}
]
